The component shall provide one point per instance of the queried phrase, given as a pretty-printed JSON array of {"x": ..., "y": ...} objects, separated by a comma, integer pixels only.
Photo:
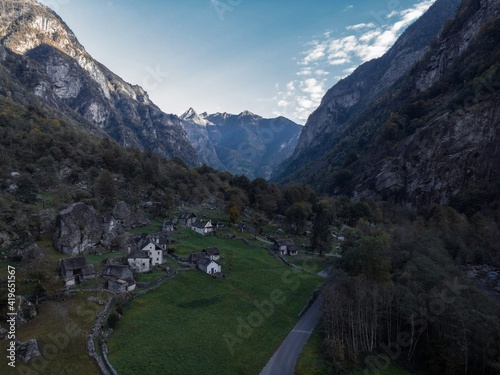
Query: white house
[
  {"x": 202, "y": 227},
  {"x": 209, "y": 266},
  {"x": 154, "y": 251},
  {"x": 139, "y": 261}
]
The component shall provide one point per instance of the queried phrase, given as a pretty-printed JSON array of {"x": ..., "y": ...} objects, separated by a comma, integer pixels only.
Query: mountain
[
  {"x": 245, "y": 144},
  {"x": 419, "y": 133},
  {"x": 42, "y": 56}
]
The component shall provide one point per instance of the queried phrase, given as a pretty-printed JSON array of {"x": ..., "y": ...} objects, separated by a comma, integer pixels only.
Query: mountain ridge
[
  {"x": 432, "y": 135},
  {"x": 347, "y": 98},
  {"x": 243, "y": 143},
  {"x": 47, "y": 57}
]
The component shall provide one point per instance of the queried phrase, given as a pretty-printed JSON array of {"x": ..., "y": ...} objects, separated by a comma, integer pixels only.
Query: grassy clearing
[
  {"x": 196, "y": 324},
  {"x": 60, "y": 329}
]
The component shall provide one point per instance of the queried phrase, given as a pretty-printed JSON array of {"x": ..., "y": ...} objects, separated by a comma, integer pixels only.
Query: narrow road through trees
[{"x": 284, "y": 359}]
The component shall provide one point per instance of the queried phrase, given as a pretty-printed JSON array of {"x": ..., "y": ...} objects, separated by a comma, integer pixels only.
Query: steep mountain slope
[
  {"x": 350, "y": 96},
  {"x": 433, "y": 134},
  {"x": 42, "y": 54},
  {"x": 199, "y": 137},
  {"x": 242, "y": 144}
]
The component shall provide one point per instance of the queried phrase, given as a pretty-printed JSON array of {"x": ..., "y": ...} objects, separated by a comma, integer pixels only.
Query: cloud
[
  {"x": 341, "y": 54},
  {"x": 361, "y": 26}
]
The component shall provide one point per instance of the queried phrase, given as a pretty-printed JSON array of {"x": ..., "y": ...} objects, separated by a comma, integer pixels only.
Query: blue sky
[{"x": 269, "y": 57}]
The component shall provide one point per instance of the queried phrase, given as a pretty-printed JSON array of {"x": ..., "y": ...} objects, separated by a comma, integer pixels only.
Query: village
[{"x": 150, "y": 252}]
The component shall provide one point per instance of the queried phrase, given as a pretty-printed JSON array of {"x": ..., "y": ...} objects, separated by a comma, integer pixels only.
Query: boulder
[
  {"x": 139, "y": 219},
  {"x": 77, "y": 228},
  {"x": 122, "y": 212},
  {"x": 31, "y": 252},
  {"x": 27, "y": 350},
  {"x": 26, "y": 311}
]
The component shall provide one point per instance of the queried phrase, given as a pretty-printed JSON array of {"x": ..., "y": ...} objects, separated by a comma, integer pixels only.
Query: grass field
[
  {"x": 60, "y": 329},
  {"x": 196, "y": 324}
]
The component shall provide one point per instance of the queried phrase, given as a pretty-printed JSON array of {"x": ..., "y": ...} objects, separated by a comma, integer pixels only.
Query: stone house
[
  {"x": 202, "y": 227},
  {"x": 75, "y": 270},
  {"x": 196, "y": 257},
  {"x": 212, "y": 253},
  {"x": 139, "y": 261},
  {"x": 168, "y": 226},
  {"x": 285, "y": 247},
  {"x": 187, "y": 218},
  {"x": 119, "y": 278},
  {"x": 209, "y": 266}
]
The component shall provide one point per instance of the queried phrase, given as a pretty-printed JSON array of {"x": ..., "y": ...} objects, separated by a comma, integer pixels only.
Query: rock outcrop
[
  {"x": 28, "y": 253},
  {"x": 423, "y": 138},
  {"x": 122, "y": 213},
  {"x": 26, "y": 311},
  {"x": 27, "y": 350},
  {"x": 44, "y": 55},
  {"x": 77, "y": 228}
]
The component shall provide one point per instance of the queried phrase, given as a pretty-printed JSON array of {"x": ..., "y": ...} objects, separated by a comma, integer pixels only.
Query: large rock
[
  {"x": 31, "y": 252},
  {"x": 26, "y": 311},
  {"x": 122, "y": 213},
  {"x": 78, "y": 228},
  {"x": 27, "y": 350}
]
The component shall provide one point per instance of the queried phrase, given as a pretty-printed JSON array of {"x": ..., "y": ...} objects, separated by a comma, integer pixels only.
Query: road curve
[{"x": 284, "y": 359}]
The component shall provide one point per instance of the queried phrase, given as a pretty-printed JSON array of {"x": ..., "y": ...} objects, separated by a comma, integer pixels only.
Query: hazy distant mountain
[
  {"x": 242, "y": 144},
  {"x": 418, "y": 133},
  {"x": 42, "y": 55}
]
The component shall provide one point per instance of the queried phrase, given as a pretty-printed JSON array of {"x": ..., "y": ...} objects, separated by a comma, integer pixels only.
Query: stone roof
[
  {"x": 212, "y": 250},
  {"x": 286, "y": 242},
  {"x": 71, "y": 264},
  {"x": 196, "y": 257},
  {"x": 202, "y": 224},
  {"x": 120, "y": 272},
  {"x": 187, "y": 215},
  {"x": 206, "y": 261},
  {"x": 138, "y": 254}
]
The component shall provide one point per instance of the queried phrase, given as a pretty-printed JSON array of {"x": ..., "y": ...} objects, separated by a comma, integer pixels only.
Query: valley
[{"x": 133, "y": 240}]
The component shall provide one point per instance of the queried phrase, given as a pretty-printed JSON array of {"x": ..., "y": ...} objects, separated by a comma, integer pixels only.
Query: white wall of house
[
  {"x": 156, "y": 257},
  {"x": 211, "y": 268}
]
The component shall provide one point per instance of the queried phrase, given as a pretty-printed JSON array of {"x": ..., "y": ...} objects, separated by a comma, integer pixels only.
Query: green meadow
[{"x": 197, "y": 324}]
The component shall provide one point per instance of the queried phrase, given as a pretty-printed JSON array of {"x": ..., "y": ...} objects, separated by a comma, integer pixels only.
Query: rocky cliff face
[
  {"x": 45, "y": 56},
  {"x": 352, "y": 95},
  {"x": 431, "y": 135},
  {"x": 241, "y": 144},
  {"x": 456, "y": 145}
]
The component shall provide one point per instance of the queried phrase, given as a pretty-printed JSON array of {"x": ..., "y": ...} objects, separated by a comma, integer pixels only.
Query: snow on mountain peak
[{"x": 191, "y": 116}]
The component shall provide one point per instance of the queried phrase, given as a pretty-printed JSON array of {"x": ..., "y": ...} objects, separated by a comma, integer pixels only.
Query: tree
[
  {"x": 323, "y": 218},
  {"x": 296, "y": 216},
  {"x": 106, "y": 188},
  {"x": 26, "y": 189},
  {"x": 234, "y": 213}
]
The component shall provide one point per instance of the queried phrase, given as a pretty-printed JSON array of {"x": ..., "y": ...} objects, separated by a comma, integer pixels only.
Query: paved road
[{"x": 284, "y": 359}]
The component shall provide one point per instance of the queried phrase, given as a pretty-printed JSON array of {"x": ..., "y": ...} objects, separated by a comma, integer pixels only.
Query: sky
[{"x": 273, "y": 58}]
